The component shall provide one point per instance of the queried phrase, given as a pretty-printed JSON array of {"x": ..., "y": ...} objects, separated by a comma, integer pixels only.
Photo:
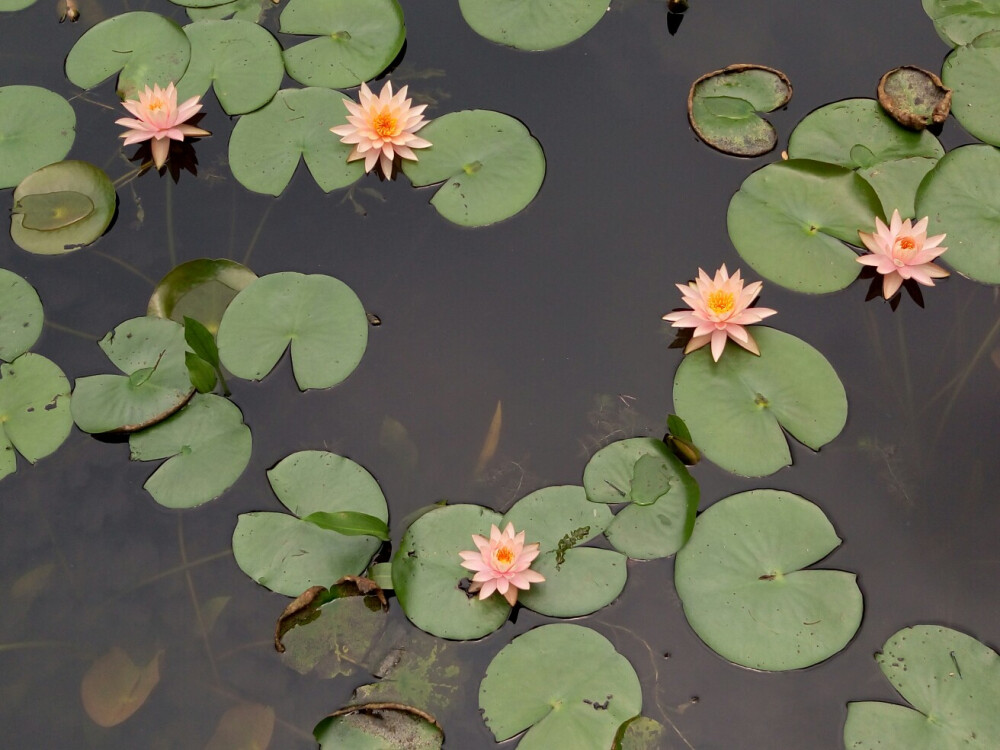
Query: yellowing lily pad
[
  {"x": 21, "y": 315},
  {"x": 914, "y": 97},
  {"x": 37, "y": 127}
]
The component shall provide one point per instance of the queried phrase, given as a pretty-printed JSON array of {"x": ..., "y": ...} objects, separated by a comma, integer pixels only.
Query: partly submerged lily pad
[
  {"x": 206, "y": 445},
  {"x": 533, "y": 24},
  {"x": 356, "y": 40},
  {"x": 201, "y": 289},
  {"x": 951, "y": 680},
  {"x": 736, "y": 407},
  {"x": 958, "y": 23},
  {"x": 914, "y": 97},
  {"x": 971, "y": 72},
  {"x": 490, "y": 164},
  {"x": 21, "y": 315},
  {"x": 565, "y": 684},
  {"x": 62, "y": 207},
  {"x": 722, "y": 108},
  {"x": 745, "y": 594},
  {"x": 319, "y": 316},
  {"x": 379, "y": 726},
  {"x": 37, "y": 127}
]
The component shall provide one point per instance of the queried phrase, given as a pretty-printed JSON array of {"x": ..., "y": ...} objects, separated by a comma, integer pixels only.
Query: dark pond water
[{"x": 556, "y": 313}]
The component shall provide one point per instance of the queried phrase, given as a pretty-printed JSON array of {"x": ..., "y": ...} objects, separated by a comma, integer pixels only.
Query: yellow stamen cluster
[
  {"x": 385, "y": 125},
  {"x": 721, "y": 302}
]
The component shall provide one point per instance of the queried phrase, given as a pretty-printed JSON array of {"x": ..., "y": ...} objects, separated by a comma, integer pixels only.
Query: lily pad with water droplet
[
  {"x": 287, "y": 554},
  {"x": 662, "y": 496},
  {"x": 201, "y": 289},
  {"x": 490, "y": 164},
  {"x": 744, "y": 590},
  {"x": 951, "y": 680},
  {"x": 958, "y": 23},
  {"x": 914, "y": 97},
  {"x": 319, "y": 316},
  {"x": 790, "y": 220},
  {"x": 62, "y": 207},
  {"x": 34, "y": 410},
  {"x": 146, "y": 47},
  {"x": 21, "y": 315},
  {"x": 971, "y": 72},
  {"x": 150, "y": 351},
  {"x": 565, "y": 684},
  {"x": 206, "y": 445},
  {"x": 961, "y": 195},
  {"x": 356, "y": 40},
  {"x": 265, "y": 146},
  {"x": 37, "y": 127},
  {"x": 533, "y": 24},
  {"x": 736, "y": 407}
]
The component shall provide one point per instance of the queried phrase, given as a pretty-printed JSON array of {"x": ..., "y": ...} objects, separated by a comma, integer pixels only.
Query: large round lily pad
[
  {"x": 533, "y": 24},
  {"x": 265, "y": 146},
  {"x": 959, "y": 23},
  {"x": 790, "y": 220},
  {"x": 490, "y": 164},
  {"x": 206, "y": 445},
  {"x": 320, "y": 316},
  {"x": 62, "y": 207},
  {"x": 21, "y": 315},
  {"x": 150, "y": 351},
  {"x": 37, "y": 127},
  {"x": 34, "y": 410},
  {"x": 971, "y": 72},
  {"x": 961, "y": 195},
  {"x": 356, "y": 40},
  {"x": 745, "y": 594},
  {"x": 951, "y": 680},
  {"x": 565, "y": 684},
  {"x": 736, "y": 407}
]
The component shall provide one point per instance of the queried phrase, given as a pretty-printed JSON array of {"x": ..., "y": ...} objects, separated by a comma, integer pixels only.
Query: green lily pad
[
  {"x": 736, "y": 407},
  {"x": 37, "y": 127},
  {"x": 239, "y": 10},
  {"x": 239, "y": 59},
  {"x": 146, "y": 47},
  {"x": 662, "y": 496},
  {"x": 201, "y": 289},
  {"x": 914, "y": 97},
  {"x": 206, "y": 445},
  {"x": 12, "y": 5},
  {"x": 320, "y": 316},
  {"x": 34, "y": 410},
  {"x": 722, "y": 108},
  {"x": 565, "y": 684},
  {"x": 896, "y": 182},
  {"x": 962, "y": 197},
  {"x": 46, "y": 218},
  {"x": 790, "y": 221},
  {"x": 150, "y": 351},
  {"x": 951, "y": 680},
  {"x": 971, "y": 73},
  {"x": 490, "y": 164},
  {"x": 265, "y": 146},
  {"x": 533, "y": 24},
  {"x": 379, "y": 726},
  {"x": 287, "y": 554},
  {"x": 641, "y": 733},
  {"x": 356, "y": 40},
  {"x": 958, "y": 23},
  {"x": 745, "y": 594},
  {"x": 21, "y": 316}
]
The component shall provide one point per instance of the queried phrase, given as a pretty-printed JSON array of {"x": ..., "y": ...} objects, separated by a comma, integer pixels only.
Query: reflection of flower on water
[
  {"x": 501, "y": 563},
  {"x": 159, "y": 119},
  {"x": 382, "y": 126},
  {"x": 903, "y": 251},
  {"x": 719, "y": 310}
]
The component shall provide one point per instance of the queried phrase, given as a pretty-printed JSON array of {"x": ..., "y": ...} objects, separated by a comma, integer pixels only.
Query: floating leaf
[
  {"x": 37, "y": 127},
  {"x": 745, "y": 594},
  {"x": 206, "y": 445},
  {"x": 914, "y": 97},
  {"x": 12, "y": 5},
  {"x": 248, "y": 726},
  {"x": 565, "y": 684},
  {"x": 641, "y": 733},
  {"x": 959, "y": 23},
  {"x": 241, "y": 10},
  {"x": 490, "y": 164},
  {"x": 953, "y": 682},
  {"x": 896, "y": 182},
  {"x": 533, "y": 24},
  {"x": 21, "y": 315},
  {"x": 61, "y": 188},
  {"x": 115, "y": 687},
  {"x": 736, "y": 407},
  {"x": 962, "y": 197},
  {"x": 722, "y": 108},
  {"x": 351, "y": 523},
  {"x": 379, "y": 726},
  {"x": 201, "y": 289},
  {"x": 356, "y": 40},
  {"x": 971, "y": 73},
  {"x": 265, "y": 146}
]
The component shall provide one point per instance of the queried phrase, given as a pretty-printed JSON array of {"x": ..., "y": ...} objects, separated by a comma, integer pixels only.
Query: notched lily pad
[{"x": 914, "y": 97}]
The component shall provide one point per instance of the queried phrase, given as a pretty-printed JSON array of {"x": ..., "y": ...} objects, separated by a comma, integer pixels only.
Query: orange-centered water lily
[
  {"x": 380, "y": 127},
  {"x": 160, "y": 120},
  {"x": 720, "y": 307},
  {"x": 501, "y": 563},
  {"x": 903, "y": 251}
]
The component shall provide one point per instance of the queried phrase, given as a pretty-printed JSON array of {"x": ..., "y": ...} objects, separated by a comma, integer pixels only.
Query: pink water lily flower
[
  {"x": 382, "y": 127},
  {"x": 160, "y": 120},
  {"x": 720, "y": 307},
  {"x": 903, "y": 251},
  {"x": 501, "y": 563}
]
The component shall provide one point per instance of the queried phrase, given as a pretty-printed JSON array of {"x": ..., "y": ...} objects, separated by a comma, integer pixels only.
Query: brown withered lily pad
[{"x": 914, "y": 97}]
